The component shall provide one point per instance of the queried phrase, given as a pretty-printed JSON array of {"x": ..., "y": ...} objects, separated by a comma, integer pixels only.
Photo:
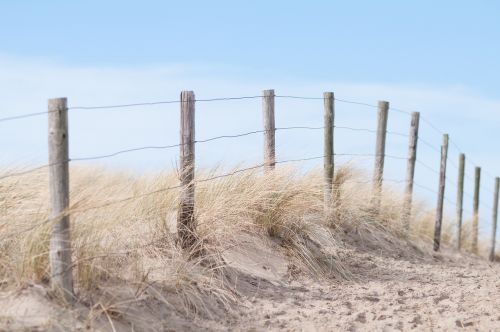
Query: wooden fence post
[
  {"x": 60, "y": 242},
  {"x": 383, "y": 110},
  {"x": 328, "y": 150},
  {"x": 475, "y": 218},
  {"x": 460, "y": 198},
  {"x": 186, "y": 223},
  {"x": 410, "y": 170},
  {"x": 269, "y": 130},
  {"x": 495, "y": 214},
  {"x": 442, "y": 183}
]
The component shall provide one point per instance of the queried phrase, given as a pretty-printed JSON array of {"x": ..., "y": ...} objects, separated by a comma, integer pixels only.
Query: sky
[{"x": 439, "y": 58}]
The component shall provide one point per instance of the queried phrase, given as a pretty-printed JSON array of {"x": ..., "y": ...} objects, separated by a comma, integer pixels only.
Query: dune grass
[{"x": 123, "y": 228}]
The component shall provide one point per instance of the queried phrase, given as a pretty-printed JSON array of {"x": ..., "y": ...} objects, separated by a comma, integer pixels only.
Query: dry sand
[
  {"x": 443, "y": 293},
  {"x": 403, "y": 288}
]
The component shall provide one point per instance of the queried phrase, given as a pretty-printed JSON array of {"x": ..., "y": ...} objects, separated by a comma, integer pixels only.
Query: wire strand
[
  {"x": 22, "y": 116},
  {"x": 158, "y": 103},
  {"x": 400, "y": 110},
  {"x": 31, "y": 170},
  {"x": 126, "y": 199},
  {"x": 299, "y": 97},
  {"x": 131, "y": 105},
  {"x": 355, "y": 103}
]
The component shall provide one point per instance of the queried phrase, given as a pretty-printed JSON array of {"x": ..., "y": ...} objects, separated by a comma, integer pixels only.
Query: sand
[
  {"x": 390, "y": 294},
  {"x": 399, "y": 289}
]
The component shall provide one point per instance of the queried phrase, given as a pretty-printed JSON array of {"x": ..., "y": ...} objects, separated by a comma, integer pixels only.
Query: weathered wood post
[
  {"x": 460, "y": 198},
  {"x": 495, "y": 219},
  {"x": 269, "y": 130},
  {"x": 410, "y": 170},
  {"x": 378, "y": 172},
  {"x": 475, "y": 217},
  {"x": 186, "y": 223},
  {"x": 328, "y": 150},
  {"x": 442, "y": 183},
  {"x": 60, "y": 242}
]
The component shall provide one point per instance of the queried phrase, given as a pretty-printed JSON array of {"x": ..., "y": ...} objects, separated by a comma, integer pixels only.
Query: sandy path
[
  {"x": 400, "y": 289},
  {"x": 440, "y": 293}
]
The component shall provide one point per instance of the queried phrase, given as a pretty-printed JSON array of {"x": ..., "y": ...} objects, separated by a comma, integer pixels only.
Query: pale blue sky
[
  {"x": 438, "y": 57},
  {"x": 425, "y": 42}
]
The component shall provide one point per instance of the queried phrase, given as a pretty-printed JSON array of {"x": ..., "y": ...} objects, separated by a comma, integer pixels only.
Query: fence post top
[
  {"x": 269, "y": 92},
  {"x": 58, "y": 105},
  {"x": 383, "y": 104},
  {"x": 328, "y": 94},
  {"x": 58, "y": 100},
  {"x": 445, "y": 139}
]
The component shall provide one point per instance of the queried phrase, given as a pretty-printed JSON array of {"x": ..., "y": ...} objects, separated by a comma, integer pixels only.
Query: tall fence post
[
  {"x": 475, "y": 217},
  {"x": 410, "y": 170},
  {"x": 460, "y": 198},
  {"x": 269, "y": 130},
  {"x": 328, "y": 150},
  {"x": 442, "y": 183},
  {"x": 383, "y": 111},
  {"x": 495, "y": 219},
  {"x": 186, "y": 223},
  {"x": 60, "y": 242}
]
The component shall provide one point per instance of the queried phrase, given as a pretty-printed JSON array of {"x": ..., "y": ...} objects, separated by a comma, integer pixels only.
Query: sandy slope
[
  {"x": 402, "y": 288},
  {"x": 390, "y": 294}
]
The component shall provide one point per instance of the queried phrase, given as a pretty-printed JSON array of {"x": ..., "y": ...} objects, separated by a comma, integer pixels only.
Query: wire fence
[
  {"x": 433, "y": 166},
  {"x": 423, "y": 142}
]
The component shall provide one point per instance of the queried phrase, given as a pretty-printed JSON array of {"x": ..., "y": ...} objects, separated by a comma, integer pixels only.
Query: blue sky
[
  {"x": 438, "y": 57},
  {"x": 427, "y": 42}
]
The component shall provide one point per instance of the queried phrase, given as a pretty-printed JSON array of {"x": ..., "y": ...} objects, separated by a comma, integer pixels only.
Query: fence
[{"x": 58, "y": 165}]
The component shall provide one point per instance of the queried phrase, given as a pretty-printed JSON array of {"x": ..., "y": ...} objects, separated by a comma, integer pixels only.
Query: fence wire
[
  {"x": 126, "y": 107},
  {"x": 170, "y": 146}
]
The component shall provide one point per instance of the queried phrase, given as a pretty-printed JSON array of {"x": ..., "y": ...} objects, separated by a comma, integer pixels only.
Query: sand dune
[{"x": 269, "y": 260}]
